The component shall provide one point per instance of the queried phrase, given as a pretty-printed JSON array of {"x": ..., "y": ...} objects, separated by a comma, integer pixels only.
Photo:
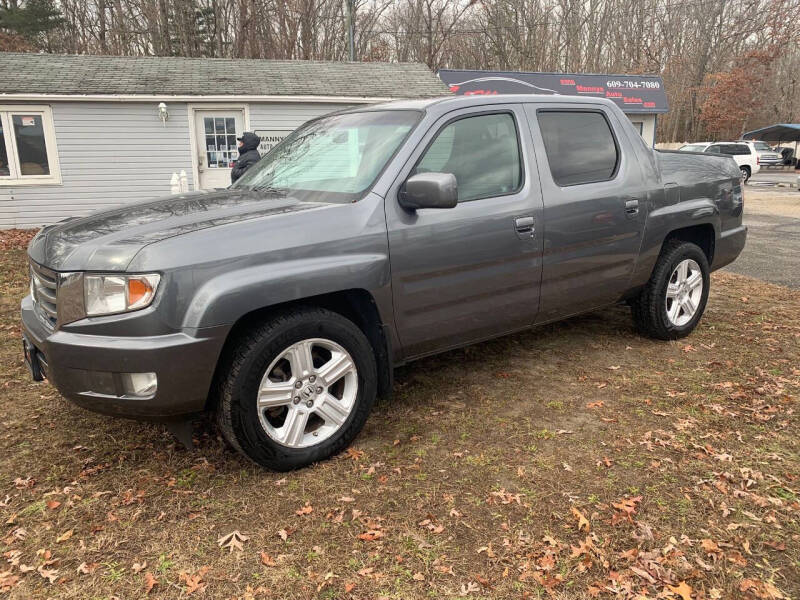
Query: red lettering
[
  {"x": 589, "y": 89},
  {"x": 454, "y": 88},
  {"x": 567, "y": 82},
  {"x": 613, "y": 94}
]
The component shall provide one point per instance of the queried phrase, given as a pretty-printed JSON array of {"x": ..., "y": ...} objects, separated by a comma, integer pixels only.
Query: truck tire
[
  {"x": 297, "y": 388},
  {"x": 745, "y": 173},
  {"x": 673, "y": 300}
]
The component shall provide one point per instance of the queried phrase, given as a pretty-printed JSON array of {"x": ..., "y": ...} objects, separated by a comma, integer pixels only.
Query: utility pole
[{"x": 351, "y": 44}]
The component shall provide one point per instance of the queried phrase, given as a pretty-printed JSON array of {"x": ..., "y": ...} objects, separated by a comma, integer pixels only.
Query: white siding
[
  {"x": 114, "y": 153},
  {"x": 287, "y": 117},
  {"x": 648, "y": 122},
  {"x": 111, "y": 153}
]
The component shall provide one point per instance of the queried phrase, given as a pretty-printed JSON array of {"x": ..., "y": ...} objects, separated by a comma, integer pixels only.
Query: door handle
[
  {"x": 524, "y": 225},
  {"x": 632, "y": 207}
]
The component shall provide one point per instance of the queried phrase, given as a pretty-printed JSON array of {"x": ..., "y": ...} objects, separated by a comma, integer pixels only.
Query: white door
[{"x": 216, "y": 132}]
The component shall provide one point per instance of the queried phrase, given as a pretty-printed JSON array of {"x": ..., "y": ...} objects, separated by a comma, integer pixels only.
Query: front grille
[{"x": 44, "y": 291}]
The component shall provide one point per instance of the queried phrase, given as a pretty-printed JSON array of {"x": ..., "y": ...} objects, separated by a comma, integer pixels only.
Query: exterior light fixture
[{"x": 163, "y": 113}]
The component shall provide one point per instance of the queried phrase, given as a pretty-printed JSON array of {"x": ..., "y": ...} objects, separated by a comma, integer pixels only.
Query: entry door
[
  {"x": 216, "y": 132},
  {"x": 470, "y": 272},
  {"x": 594, "y": 206}
]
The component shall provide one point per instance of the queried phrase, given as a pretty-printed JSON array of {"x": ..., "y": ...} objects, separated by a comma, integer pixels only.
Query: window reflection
[{"x": 31, "y": 146}]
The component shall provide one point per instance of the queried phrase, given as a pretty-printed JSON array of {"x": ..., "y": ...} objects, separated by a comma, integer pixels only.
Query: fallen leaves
[
  {"x": 306, "y": 509},
  {"x": 233, "y": 541},
  {"x": 267, "y": 560},
  {"x": 683, "y": 589},
  {"x": 194, "y": 582},
  {"x": 371, "y": 535},
  {"x": 150, "y": 582},
  {"x": 761, "y": 589},
  {"x": 65, "y": 536},
  {"x": 583, "y": 522}
]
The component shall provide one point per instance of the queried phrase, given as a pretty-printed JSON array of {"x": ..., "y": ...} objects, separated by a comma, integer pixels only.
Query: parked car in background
[
  {"x": 767, "y": 157},
  {"x": 366, "y": 239},
  {"x": 743, "y": 153}
]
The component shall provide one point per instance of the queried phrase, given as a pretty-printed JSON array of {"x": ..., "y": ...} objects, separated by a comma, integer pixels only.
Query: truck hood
[{"x": 108, "y": 240}]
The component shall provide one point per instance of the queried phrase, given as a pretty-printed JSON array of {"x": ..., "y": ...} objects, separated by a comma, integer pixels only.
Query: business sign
[
  {"x": 269, "y": 139},
  {"x": 632, "y": 93}
]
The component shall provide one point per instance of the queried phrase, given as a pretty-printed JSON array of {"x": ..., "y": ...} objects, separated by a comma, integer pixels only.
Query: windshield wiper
[{"x": 271, "y": 190}]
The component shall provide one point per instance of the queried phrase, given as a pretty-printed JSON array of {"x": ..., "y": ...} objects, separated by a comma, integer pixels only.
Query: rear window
[
  {"x": 762, "y": 146},
  {"x": 580, "y": 146},
  {"x": 734, "y": 149}
]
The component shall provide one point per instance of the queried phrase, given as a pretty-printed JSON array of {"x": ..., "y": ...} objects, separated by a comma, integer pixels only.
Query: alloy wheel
[
  {"x": 684, "y": 292},
  {"x": 307, "y": 393}
]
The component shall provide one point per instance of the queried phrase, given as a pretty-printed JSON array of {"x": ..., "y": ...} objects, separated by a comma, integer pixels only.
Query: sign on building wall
[
  {"x": 269, "y": 139},
  {"x": 632, "y": 93}
]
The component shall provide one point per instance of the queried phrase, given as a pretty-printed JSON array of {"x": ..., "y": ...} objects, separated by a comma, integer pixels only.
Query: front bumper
[{"x": 85, "y": 368}]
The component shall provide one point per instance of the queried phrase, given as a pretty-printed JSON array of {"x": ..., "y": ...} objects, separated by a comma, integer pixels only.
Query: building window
[{"x": 28, "y": 154}]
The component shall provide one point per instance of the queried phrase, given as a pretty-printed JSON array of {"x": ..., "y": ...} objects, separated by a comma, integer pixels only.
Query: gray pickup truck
[{"x": 369, "y": 238}]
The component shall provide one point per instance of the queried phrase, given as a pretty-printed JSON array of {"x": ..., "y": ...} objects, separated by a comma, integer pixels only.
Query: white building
[{"x": 81, "y": 133}]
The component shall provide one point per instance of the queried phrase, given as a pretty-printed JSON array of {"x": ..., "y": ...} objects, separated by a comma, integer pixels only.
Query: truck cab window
[
  {"x": 482, "y": 152},
  {"x": 580, "y": 146}
]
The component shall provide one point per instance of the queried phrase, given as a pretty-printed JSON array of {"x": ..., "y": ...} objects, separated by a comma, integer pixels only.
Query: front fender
[{"x": 223, "y": 299}]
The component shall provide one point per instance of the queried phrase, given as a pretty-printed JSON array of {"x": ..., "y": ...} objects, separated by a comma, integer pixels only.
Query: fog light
[{"x": 139, "y": 384}]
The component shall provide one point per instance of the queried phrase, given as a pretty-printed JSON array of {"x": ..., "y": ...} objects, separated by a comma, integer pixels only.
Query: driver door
[{"x": 470, "y": 272}]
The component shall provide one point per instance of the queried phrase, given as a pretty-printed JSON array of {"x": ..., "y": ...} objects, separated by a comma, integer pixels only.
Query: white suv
[
  {"x": 743, "y": 153},
  {"x": 767, "y": 157}
]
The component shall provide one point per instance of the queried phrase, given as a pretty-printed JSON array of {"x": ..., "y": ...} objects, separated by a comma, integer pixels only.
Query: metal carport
[{"x": 780, "y": 132}]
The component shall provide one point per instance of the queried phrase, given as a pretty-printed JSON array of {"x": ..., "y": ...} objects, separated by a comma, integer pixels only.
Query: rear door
[
  {"x": 470, "y": 272},
  {"x": 594, "y": 206}
]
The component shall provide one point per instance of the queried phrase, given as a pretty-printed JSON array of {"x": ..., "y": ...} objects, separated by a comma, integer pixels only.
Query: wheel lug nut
[
  {"x": 298, "y": 384},
  {"x": 319, "y": 389},
  {"x": 310, "y": 403},
  {"x": 312, "y": 378},
  {"x": 296, "y": 400}
]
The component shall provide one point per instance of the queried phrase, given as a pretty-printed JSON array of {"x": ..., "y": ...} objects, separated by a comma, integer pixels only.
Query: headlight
[{"x": 109, "y": 294}]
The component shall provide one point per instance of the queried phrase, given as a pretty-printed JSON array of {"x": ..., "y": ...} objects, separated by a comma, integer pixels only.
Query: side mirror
[{"x": 429, "y": 190}]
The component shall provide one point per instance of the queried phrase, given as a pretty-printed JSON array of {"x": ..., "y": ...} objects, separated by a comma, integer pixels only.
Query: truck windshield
[{"x": 339, "y": 156}]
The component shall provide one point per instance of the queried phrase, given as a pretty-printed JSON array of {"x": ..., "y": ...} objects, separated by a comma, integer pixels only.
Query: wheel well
[
  {"x": 700, "y": 235},
  {"x": 356, "y": 305}
]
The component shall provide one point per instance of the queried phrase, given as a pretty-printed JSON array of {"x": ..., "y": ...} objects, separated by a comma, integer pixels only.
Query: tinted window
[
  {"x": 580, "y": 146},
  {"x": 737, "y": 149},
  {"x": 482, "y": 152},
  {"x": 729, "y": 149}
]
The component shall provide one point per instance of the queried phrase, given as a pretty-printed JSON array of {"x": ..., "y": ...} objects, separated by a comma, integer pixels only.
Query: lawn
[{"x": 577, "y": 460}]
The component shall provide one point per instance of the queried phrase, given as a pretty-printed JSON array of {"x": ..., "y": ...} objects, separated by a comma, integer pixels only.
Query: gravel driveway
[{"x": 772, "y": 252}]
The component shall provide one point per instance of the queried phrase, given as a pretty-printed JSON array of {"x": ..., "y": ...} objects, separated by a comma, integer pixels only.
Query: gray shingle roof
[{"x": 177, "y": 76}]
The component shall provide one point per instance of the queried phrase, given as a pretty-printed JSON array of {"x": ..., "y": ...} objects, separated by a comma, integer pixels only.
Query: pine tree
[{"x": 31, "y": 19}]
